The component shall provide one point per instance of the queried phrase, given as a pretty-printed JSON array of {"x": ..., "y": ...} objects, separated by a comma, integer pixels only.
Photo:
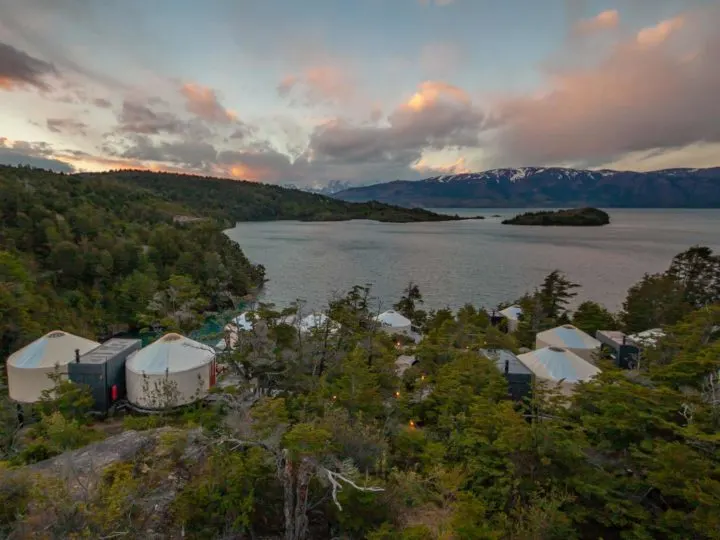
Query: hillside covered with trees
[
  {"x": 234, "y": 201},
  {"x": 97, "y": 256},
  {"x": 320, "y": 438}
]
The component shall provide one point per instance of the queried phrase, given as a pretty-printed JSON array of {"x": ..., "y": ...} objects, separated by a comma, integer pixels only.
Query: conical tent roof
[
  {"x": 172, "y": 353},
  {"x": 555, "y": 364},
  {"x": 512, "y": 312},
  {"x": 56, "y": 347},
  {"x": 244, "y": 321},
  {"x": 393, "y": 319},
  {"x": 316, "y": 320},
  {"x": 569, "y": 337}
]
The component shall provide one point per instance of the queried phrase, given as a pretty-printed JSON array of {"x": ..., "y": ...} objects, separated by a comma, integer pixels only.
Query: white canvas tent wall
[
  {"x": 571, "y": 338},
  {"x": 512, "y": 314},
  {"x": 28, "y": 368},
  {"x": 244, "y": 322},
  {"x": 393, "y": 322},
  {"x": 556, "y": 365},
  {"x": 172, "y": 371}
]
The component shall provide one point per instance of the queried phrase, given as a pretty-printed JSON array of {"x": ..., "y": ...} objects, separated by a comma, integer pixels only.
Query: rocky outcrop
[
  {"x": 127, "y": 446},
  {"x": 163, "y": 460}
]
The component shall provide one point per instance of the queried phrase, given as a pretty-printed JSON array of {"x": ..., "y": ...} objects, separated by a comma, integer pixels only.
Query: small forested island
[{"x": 573, "y": 217}]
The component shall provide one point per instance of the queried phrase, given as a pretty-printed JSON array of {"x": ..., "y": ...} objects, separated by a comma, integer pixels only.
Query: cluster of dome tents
[
  {"x": 172, "y": 371},
  {"x": 565, "y": 355},
  {"x": 176, "y": 370},
  {"x": 389, "y": 321}
]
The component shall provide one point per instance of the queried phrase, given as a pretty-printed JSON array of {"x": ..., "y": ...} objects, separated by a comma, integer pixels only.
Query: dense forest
[
  {"x": 234, "y": 201},
  {"x": 573, "y": 217},
  {"x": 95, "y": 257},
  {"x": 97, "y": 254},
  {"x": 318, "y": 436}
]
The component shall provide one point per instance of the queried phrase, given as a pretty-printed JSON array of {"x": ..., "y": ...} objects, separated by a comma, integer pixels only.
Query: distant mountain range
[
  {"x": 548, "y": 187},
  {"x": 334, "y": 186}
]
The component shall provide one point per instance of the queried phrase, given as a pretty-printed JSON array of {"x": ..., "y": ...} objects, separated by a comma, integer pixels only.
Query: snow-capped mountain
[
  {"x": 551, "y": 187},
  {"x": 334, "y": 186}
]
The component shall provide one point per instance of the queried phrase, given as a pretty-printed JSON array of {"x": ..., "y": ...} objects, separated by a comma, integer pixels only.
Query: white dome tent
[
  {"x": 569, "y": 337},
  {"x": 512, "y": 314},
  {"x": 170, "y": 372},
  {"x": 393, "y": 322},
  {"x": 29, "y": 368},
  {"x": 316, "y": 321},
  {"x": 560, "y": 366},
  {"x": 244, "y": 322}
]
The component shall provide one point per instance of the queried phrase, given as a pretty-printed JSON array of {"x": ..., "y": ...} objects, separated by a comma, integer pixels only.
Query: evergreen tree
[
  {"x": 591, "y": 317},
  {"x": 697, "y": 270},
  {"x": 657, "y": 300},
  {"x": 408, "y": 305},
  {"x": 555, "y": 294}
]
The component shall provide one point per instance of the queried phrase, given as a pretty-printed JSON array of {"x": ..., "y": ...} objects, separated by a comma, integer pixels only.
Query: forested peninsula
[
  {"x": 234, "y": 200},
  {"x": 95, "y": 256},
  {"x": 98, "y": 254}
]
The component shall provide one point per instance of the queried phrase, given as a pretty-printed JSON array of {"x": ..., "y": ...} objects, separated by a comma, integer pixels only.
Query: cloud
[
  {"x": 318, "y": 85},
  {"x": 691, "y": 156},
  {"x": 102, "y": 103},
  {"x": 440, "y": 58},
  {"x": 602, "y": 21},
  {"x": 264, "y": 164},
  {"x": 138, "y": 118},
  {"x": 20, "y": 70},
  {"x": 655, "y": 35},
  {"x": 242, "y": 132},
  {"x": 459, "y": 166},
  {"x": 657, "y": 90},
  {"x": 34, "y": 154},
  {"x": 195, "y": 154},
  {"x": 437, "y": 116},
  {"x": 203, "y": 103},
  {"x": 436, "y": 2},
  {"x": 67, "y": 125}
]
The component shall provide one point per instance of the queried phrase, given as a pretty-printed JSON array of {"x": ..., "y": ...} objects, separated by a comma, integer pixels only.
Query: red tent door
[{"x": 213, "y": 374}]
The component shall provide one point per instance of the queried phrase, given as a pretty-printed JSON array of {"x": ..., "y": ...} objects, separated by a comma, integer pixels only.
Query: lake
[{"x": 478, "y": 261}]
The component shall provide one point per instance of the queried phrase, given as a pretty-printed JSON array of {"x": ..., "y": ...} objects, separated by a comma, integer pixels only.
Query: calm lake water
[{"x": 478, "y": 261}]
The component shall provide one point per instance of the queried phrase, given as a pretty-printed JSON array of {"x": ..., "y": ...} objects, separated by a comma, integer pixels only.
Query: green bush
[
  {"x": 15, "y": 495},
  {"x": 141, "y": 423},
  {"x": 73, "y": 401},
  {"x": 34, "y": 452}
]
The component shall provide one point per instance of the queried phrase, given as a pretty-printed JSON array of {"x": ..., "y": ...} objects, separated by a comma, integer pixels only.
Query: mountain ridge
[{"x": 546, "y": 187}]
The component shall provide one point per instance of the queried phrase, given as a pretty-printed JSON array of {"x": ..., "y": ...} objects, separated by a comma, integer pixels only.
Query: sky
[{"x": 358, "y": 91}]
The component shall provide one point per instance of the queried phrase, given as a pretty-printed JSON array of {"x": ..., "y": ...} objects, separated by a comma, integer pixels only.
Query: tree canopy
[
  {"x": 318, "y": 434},
  {"x": 95, "y": 256}
]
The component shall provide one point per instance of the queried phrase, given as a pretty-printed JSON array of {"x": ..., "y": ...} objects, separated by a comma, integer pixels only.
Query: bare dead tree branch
[{"x": 335, "y": 478}]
